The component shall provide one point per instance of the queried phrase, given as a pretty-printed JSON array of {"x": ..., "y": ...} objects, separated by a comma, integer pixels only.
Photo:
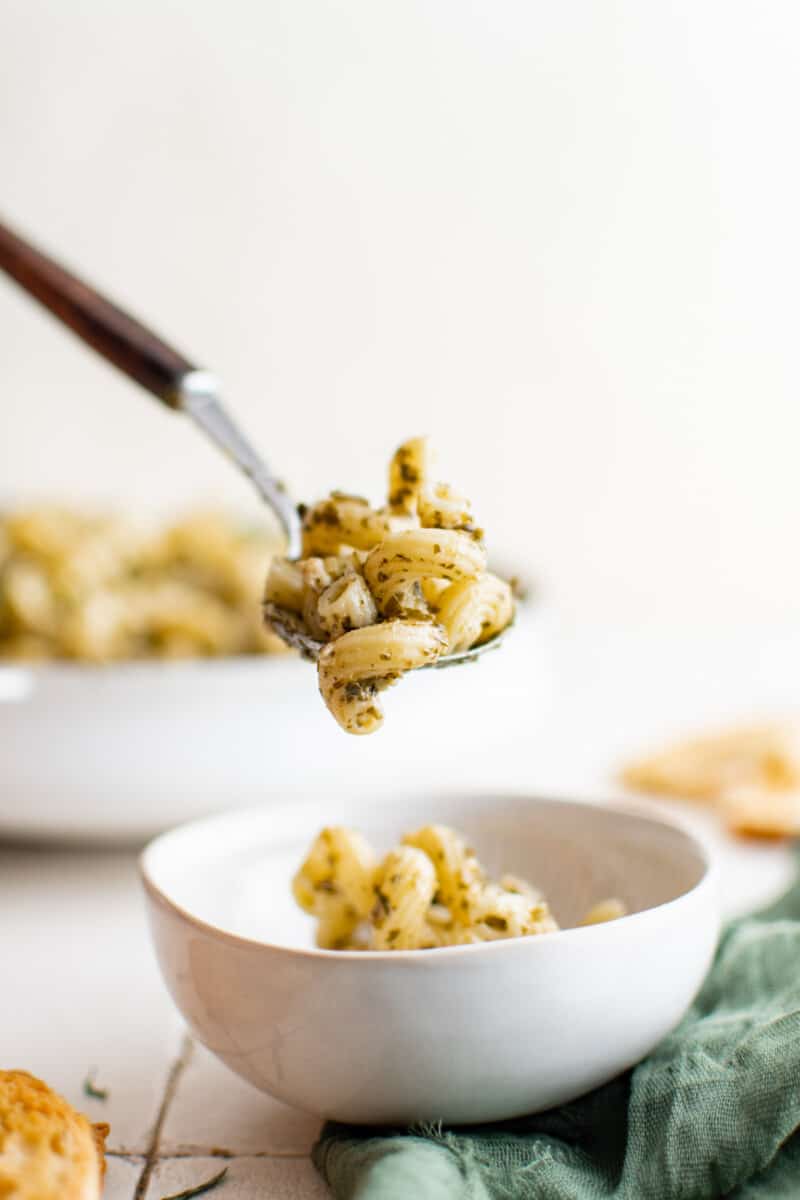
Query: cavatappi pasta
[
  {"x": 381, "y": 591},
  {"x": 430, "y": 891},
  {"x": 100, "y": 588}
]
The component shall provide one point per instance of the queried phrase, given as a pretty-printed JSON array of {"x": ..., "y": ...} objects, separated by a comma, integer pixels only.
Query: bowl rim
[{"x": 706, "y": 883}]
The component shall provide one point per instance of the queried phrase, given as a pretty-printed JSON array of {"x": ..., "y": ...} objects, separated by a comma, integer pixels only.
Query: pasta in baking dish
[
  {"x": 379, "y": 592},
  {"x": 94, "y": 587},
  {"x": 430, "y": 891}
]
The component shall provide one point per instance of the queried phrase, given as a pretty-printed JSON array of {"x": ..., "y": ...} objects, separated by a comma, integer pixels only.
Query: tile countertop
[{"x": 84, "y": 997}]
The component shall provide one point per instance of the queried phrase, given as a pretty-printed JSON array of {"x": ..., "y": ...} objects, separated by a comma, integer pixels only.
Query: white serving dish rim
[{"x": 706, "y": 882}]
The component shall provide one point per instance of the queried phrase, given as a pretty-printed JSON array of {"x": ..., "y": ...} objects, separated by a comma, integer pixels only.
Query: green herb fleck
[
  {"x": 497, "y": 923},
  {"x": 201, "y": 1187},
  {"x": 90, "y": 1089}
]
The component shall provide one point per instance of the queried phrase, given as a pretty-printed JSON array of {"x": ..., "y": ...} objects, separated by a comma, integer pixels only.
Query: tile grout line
[
  {"x": 205, "y": 1152},
  {"x": 215, "y": 1152},
  {"x": 170, "y": 1088}
]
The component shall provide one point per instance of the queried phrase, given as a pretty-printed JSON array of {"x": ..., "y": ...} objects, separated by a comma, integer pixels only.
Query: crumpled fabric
[{"x": 713, "y": 1111}]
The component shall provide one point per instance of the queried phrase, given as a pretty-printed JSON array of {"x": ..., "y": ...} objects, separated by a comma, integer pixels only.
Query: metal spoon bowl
[{"x": 289, "y": 629}]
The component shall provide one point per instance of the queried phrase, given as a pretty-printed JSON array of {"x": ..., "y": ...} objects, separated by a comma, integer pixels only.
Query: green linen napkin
[{"x": 714, "y": 1111}]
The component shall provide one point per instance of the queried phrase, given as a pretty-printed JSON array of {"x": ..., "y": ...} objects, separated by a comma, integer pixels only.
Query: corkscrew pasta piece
[
  {"x": 344, "y": 605},
  {"x": 521, "y": 887},
  {"x": 342, "y": 520},
  {"x": 285, "y": 585},
  {"x": 408, "y": 474},
  {"x": 439, "y": 506},
  {"x": 509, "y": 914},
  {"x": 414, "y": 570},
  {"x": 336, "y": 884},
  {"x": 28, "y": 598},
  {"x": 431, "y": 590},
  {"x": 404, "y": 890},
  {"x": 407, "y": 600},
  {"x": 606, "y": 910},
  {"x": 473, "y": 610},
  {"x": 417, "y": 554},
  {"x": 316, "y": 578},
  {"x": 461, "y": 878},
  {"x": 356, "y": 666}
]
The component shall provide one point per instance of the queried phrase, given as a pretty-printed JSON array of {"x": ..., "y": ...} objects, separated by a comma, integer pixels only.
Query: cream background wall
[{"x": 560, "y": 237}]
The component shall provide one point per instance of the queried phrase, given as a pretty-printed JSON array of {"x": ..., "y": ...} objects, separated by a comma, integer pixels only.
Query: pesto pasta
[
  {"x": 430, "y": 891},
  {"x": 99, "y": 588},
  {"x": 382, "y": 591}
]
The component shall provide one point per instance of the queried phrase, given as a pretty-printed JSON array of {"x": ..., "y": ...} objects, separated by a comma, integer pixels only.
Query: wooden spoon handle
[{"x": 118, "y": 337}]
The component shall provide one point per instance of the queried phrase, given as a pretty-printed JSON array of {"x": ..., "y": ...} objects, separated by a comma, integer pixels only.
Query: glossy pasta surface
[
  {"x": 430, "y": 891},
  {"x": 382, "y": 591}
]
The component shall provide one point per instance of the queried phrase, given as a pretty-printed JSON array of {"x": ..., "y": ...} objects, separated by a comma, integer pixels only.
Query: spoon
[{"x": 144, "y": 357}]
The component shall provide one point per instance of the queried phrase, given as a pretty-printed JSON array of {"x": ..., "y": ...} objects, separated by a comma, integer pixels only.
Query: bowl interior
[{"x": 234, "y": 872}]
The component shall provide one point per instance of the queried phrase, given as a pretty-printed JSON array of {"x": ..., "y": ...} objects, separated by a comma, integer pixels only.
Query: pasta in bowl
[
  {"x": 379, "y": 592},
  {"x": 430, "y": 891},
  {"x": 459, "y": 1033}
]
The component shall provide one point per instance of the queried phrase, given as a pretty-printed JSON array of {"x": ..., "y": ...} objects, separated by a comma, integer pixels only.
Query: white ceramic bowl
[
  {"x": 121, "y": 752},
  {"x": 461, "y": 1034}
]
